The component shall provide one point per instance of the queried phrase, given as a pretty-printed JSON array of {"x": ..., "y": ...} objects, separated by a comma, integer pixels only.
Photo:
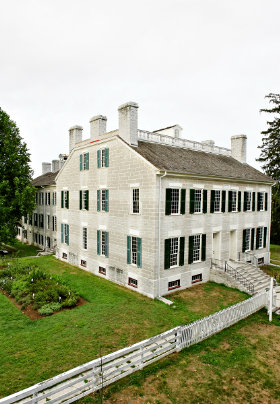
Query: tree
[
  {"x": 16, "y": 191},
  {"x": 270, "y": 157}
]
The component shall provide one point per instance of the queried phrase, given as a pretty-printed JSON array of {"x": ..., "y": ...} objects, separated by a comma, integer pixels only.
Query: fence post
[
  {"x": 179, "y": 339},
  {"x": 141, "y": 355}
]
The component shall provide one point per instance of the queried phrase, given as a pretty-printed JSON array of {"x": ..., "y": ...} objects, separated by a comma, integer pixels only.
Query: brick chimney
[
  {"x": 46, "y": 168},
  {"x": 239, "y": 148},
  {"x": 128, "y": 122},
  {"x": 97, "y": 126},
  {"x": 75, "y": 136}
]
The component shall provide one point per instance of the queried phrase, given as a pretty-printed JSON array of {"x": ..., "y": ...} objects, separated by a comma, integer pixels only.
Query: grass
[
  {"x": 114, "y": 317},
  {"x": 275, "y": 254},
  {"x": 22, "y": 250}
]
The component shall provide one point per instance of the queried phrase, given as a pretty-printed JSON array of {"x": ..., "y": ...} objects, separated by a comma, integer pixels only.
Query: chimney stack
[
  {"x": 55, "y": 166},
  {"x": 46, "y": 168},
  {"x": 128, "y": 122},
  {"x": 97, "y": 126},
  {"x": 239, "y": 148},
  {"x": 75, "y": 136}
]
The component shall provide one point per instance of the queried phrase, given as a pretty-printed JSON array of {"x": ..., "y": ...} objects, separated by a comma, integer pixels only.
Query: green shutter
[
  {"x": 87, "y": 161},
  {"x": 191, "y": 200},
  {"x": 128, "y": 249},
  {"x": 245, "y": 201},
  {"x": 168, "y": 202},
  {"x": 81, "y": 162},
  {"x": 61, "y": 232},
  {"x": 62, "y": 199},
  {"x": 81, "y": 200},
  {"x": 254, "y": 201},
  {"x": 167, "y": 245},
  {"x": 212, "y": 201},
  {"x": 67, "y": 200},
  {"x": 98, "y": 158},
  {"x": 239, "y": 201},
  {"x": 182, "y": 251},
  {"x": 106, "y": 244},
  {"x": 183, "y": 201},
  {"x": 258, "y": 201},
  {"x": 106, "y": 200},
  {"x": 230, "y": 201},
  {"x": 264, "y": 236},
  {"x": 266, "y": 199},
  {"x": 67, "y": 238},
  {"x": 223, "y": 201},
  {"x": 98, "y": 200},
  {"x": 98, "y": 242},
  {"x": 139, "y": 252},
  {"x": 205, "y": 201},
  {"x": 106, "y": 157},
  {"x": 203, "y": 252},
  {"x": 87, "y": 199},
  {"x": 252, "y": 239},
  {"x": 191, "y": 249},
  {"x": 53, "y": 198},
  {"x": 244, "y": 241}
]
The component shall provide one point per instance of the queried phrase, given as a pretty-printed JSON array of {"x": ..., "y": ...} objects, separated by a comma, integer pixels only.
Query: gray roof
[
  {"x": 176, "y": 159},
  {"x": 45, "y": 180}
]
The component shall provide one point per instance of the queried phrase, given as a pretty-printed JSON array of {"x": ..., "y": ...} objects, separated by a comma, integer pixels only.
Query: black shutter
[
  {"x": 191, "y": 200},
  {"x": 244, "y": 241},
  {"x": 245, "y": 201},
  {"x": 257, "y": 238},
  {"x": 168, "y": 201},
  {"x": 67, "y": 200},
  {"x": 87, "y": 197},
  {"x": 182, "y": 251},
  {"x": 259, "y": 201},
  {"x": 230, "y": 201},
  {"x": 239, "y": 201},
  {"x": 266, "y": 198},
  {"x": 205, "y": 201},
  {"x": 167, "y": 245},
  {"x": 62, "y": 199},
  {"x": 264, "y": 236},
  {"x": 212, "y": 201},
  {"x": 81, "y": 200},
  {"x": 254, "y": 201},
  {"x": 203, "y": 252},
  {"x": 252, "y": 239},
  {"x": 191, "y": 249},
  {"x": 223, "y": 201},
  {"x": 183, "y": 202}
]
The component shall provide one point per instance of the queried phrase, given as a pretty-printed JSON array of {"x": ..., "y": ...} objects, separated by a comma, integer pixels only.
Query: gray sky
[{"x": 204, "y": 64}]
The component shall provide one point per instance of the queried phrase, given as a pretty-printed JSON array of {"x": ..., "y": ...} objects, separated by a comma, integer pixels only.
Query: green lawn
[
  {"x": 275, "y": 254},
  {"x": 114, "y": 317},
  {"x": 22, "y": 250}
]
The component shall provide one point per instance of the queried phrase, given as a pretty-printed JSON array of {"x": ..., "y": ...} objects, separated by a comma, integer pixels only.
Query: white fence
[{"x": 92, "y": 376}]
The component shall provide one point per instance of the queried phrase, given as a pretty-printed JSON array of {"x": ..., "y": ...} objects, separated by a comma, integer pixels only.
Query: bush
[
  {"x": 71, "y": 301},
  {"x": 48, "y": 309}
]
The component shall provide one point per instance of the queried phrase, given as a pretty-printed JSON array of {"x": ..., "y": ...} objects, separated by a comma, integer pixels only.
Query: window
[
  {"x": 133, "y": 282},
  {"x": 174, "y": 284},
  {"x": 260, "y": 201},
  {"x": 261, "y": 261},
  {"x": 103, "y": 158},
  {"x": 65, "y": 233},
  {"x": 246, "y": 239},
  {"x": 48, "y": 222},
  {"x": 247, "y": 201},
  {"x": 41, "y": 221},
  {"x": 197, "y": 248},
  {"x": 84, "y": 238},
  {"x": 54, "y": 198},
  {"x": 233, "y": 201},
  {"x": 36, "y": 219},
  {"x": 84, "y": 161},
  {"x": 103, "y": 200},
  {"x": 36, "y": 198},
  {"x": 30, "y": 220},
  {"x": 198, "y": 200},
  {"x": 259, "y": 241},
  {"x": 102, "y": 270},
  {"x": 197, "y": 278},
  {"x": 35, "y": 238},
  {"x": 218, "y": 201},
  {"x": 83, "y": 263},
  {"x": 134, "y": 251},
  {"x": 48, "y": 242},
  {"x": 174, "y": 251},
  {"x": 135, "y": 200},
  {"x": 84, "y": 199},
  {"x": 65, "y": 199},
  {"x": 48, "y": 198},
  {"x": 54, "y": 223},
  {"x": 175, "y": 201},
  {"x": 103, "y": 243},
  {"x": 64, "y": 256}
]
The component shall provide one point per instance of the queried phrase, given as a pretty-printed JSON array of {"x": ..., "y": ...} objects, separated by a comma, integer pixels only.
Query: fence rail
[{"x": 92, "y": 376}]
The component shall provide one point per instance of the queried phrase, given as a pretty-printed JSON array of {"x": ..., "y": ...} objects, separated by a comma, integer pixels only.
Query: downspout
[{"x": 159, "y": 231}]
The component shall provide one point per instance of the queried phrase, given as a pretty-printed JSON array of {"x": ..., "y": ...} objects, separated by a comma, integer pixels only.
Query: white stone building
[{"x": 149, "y": 210}]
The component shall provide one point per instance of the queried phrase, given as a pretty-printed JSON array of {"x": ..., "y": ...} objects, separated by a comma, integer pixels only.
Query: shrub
[
  {"x": 71, "y": 301},
  {"x": 45, "y": 310}
]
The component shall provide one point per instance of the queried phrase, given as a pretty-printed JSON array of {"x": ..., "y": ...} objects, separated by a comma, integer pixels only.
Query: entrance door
[
  {"x": 232, "y": 245},
  {"x": 216, "y": 245}
]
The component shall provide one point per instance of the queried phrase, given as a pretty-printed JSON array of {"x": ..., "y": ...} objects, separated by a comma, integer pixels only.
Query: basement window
[
  {"x": 197, "y": 278},
  {"x": 83, "y": 263},
  {"x": 174, "y": 284},
  {"x": 102, "y": 270},
  {"x": 64, "y": 256},
  {"x": 133, "y": 282}
]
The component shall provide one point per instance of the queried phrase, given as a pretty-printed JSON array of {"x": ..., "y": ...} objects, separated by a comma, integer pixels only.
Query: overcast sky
[{"x": 204, "y": 64}]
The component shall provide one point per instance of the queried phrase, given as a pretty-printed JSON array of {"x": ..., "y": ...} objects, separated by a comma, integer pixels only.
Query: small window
[
  {"x": 197, "y": 278},
  {"x": 83, "y": 263},
  {"x": 84, "y": 238},
  {"x": 135, "y": 200},
  {"x": 64, "y": 256},
  {"x": 102, "y": 270},
  {"x": 174, "y": 284},
  {"x": 261, "y": 261},
  {"x": 133, "y": 282}
]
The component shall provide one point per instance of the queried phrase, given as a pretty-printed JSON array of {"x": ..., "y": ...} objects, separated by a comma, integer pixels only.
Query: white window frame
[
  {"x": 197, "y": 242},
  {"x": 103, "y": 199},
  {"x": 263, "y": 202},
  {"x": 134, "y": 250},
  {"x": 102, "y": 157},
  {"x": 262, "y": 231},
  {"x": 84, "y": 161},
  {"x": 103, "y": 243},
  {"x": 174, "y": 284},
  {"x": 85, "y": 238},
  {"x": 248, "y": 240},
  {"x": 54, "y": 223},
  {"x": 216, "y": 210},
  {"x": 234, "y": 192},
  {"x": 133, "y": 282},
  {"x": 196, "y": 192},
  {"x": 173, "y": 201},
  {"x": 65, "y": 232},
  {"x": 84, "y": 199},
  {"x": 64, "y": 198},
  {"x": 250, "y": 199},
  {"x": 134, "y": 200},
  {"x": 174, "y": 252}
]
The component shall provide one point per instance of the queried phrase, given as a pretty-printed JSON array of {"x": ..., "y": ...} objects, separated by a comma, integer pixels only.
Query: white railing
[
  {"x": 92, "y": 376},
  {"x": 154, "y": 137}
]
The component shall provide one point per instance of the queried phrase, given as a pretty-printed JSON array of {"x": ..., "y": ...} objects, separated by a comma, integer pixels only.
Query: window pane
[
  {"x": 196, "y": 247},
  {"x": 174, "y": 201},
  {"x": 174, "y": 252},
  {"x": 197, "y": 200},
  {"x": 135, "y": 200},
  {"x": 217, "y": 201}
]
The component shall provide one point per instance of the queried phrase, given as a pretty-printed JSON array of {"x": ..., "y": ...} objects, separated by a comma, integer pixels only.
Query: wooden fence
[{"x": 92, "y": 376}]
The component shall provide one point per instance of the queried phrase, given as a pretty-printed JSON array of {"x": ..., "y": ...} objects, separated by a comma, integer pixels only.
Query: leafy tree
[
  {"x": 270, "y": 157},
  {"x": 16, "y": 191}
]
